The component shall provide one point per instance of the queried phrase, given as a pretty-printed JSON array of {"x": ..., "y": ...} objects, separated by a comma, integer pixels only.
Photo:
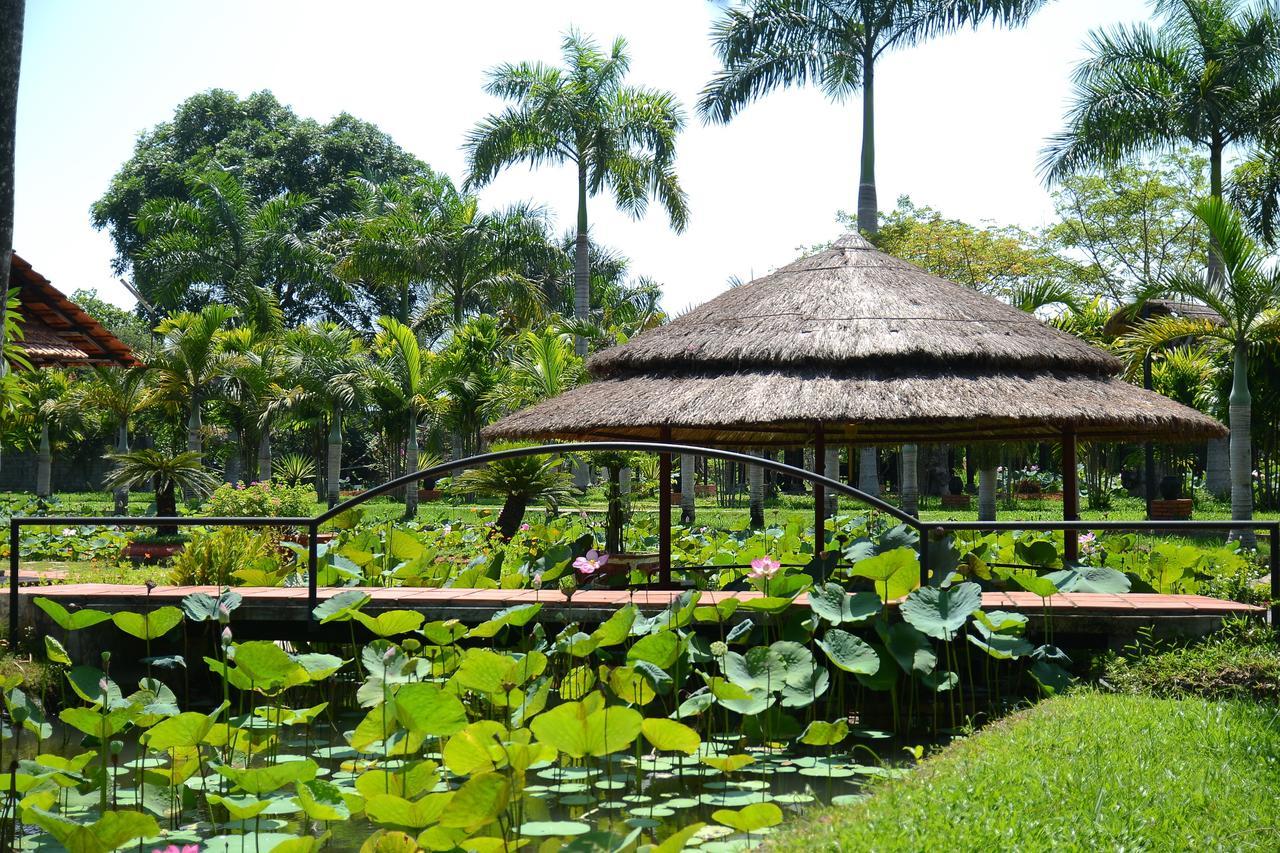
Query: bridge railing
[{"x": 927, "y": 530}]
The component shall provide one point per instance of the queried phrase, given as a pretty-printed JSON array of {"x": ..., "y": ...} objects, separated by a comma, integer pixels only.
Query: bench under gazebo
[{"x": 851, "y": 346}]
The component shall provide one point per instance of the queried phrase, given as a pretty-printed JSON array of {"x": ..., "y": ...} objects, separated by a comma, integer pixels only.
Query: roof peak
[{"x": 853, "y": 240}]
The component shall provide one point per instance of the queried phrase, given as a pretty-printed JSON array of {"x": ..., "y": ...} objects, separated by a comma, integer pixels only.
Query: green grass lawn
[{"x": 1087, "y": 771}]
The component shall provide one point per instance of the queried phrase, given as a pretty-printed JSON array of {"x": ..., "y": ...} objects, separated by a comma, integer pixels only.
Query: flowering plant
[{"x": 263, "y": 499}]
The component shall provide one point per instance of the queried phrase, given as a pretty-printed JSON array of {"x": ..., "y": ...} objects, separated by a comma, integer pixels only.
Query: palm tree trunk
[
  {"x": 231, "y": 472},
  {"x": 411, "y": 465},
  {"x": 1240, "y": 412},
  {"x": 333, "y": 470},
  {"x": 755, "y": 480},
  {"x": 831, "y": 470},
  {"x": 44, "y": 463},
  {"x": 688, "y": 510},
  {"x": 264, "y": 455},
  {"x": 868, "y": 471},
  {"x": 11, "y": 18},
  {"x": 1215, "y": 191},
  {"x": 987, "y": 494},
  {"x": 868, "y": 215},
  {"x": 1217, "y": 467},
  {"x": 910, "y": 487},
  {"x": 121, "y": 495},
  {"x": 511, "y": 514},
  {"x": 195, "y": 425},
  {"x": 581, "y": 264}
]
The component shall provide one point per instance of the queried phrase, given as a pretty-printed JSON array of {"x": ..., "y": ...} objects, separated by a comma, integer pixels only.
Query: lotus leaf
[
  {"x": 940, "y": 612},
  {"x": 576, "y": 730},
  {"x": 850, "y": 653},
  {"x": 670, "y": 736}
]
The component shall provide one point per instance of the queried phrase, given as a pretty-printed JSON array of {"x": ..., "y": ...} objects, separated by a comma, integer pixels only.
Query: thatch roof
[
  {"x": 56, "y": 331},
  {"x": 876, "y": 349},
  {"x": 1128, "y": 316}
]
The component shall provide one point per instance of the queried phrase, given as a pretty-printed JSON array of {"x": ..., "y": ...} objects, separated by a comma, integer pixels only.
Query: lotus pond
[{"x": 700, "y": 726}]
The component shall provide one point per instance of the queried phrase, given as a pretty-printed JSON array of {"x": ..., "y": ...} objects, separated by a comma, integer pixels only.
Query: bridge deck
[{"x": 1089, "y": 613}]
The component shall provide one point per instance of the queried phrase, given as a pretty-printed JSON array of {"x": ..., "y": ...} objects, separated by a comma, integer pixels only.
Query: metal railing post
[
  {"x": 1275, "y": 575},
  {"x": 924, "y": 555},
  {"x": 14, "y": 528},
  {"x": 313, "y": 536}
]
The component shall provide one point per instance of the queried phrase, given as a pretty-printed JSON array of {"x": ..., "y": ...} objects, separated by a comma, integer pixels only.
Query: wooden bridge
[{"x": 282, "y": 612}]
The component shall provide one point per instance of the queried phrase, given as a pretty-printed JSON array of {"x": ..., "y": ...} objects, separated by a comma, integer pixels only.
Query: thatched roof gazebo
[{"x": 854, "y": 346}]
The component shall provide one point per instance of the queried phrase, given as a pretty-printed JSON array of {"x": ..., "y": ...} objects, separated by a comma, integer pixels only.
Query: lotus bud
[{"x": 226, "y": 636}]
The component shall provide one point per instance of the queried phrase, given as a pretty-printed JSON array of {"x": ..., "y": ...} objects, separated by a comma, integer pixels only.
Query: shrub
[
  {"x": 264, "y": 499},
  {"x": 215, "y": 559}
]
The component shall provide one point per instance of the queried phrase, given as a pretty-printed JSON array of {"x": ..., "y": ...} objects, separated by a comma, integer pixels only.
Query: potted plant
[{"x": 167, "y": 473}]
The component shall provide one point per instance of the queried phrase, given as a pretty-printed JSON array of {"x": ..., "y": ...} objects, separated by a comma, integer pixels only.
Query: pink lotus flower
[
  {"x": 763, "y": 569},
  {"x": 524, "y": 527},
  {"x": 173, "y": 848},
  {"x": 592, "y": 562}
]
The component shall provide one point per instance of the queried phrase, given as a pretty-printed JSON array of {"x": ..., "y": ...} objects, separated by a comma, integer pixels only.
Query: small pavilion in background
[{"x": 851, "y": 346}]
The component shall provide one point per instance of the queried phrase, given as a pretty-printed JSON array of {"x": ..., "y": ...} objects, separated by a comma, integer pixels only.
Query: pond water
[{"x": 594, "y": 804}]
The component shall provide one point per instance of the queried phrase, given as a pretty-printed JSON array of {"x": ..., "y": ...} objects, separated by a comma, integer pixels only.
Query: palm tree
[
  {"x": 519, "y": 481},
  {"x": 222, "y": 247},
  {"x": 51, "y": 406},
  {"x": 188, "y": 363},
  {"x": 768, "y": 44},
  {"x": 322, "y": 363},
  {"x": 1246, "y": 294},
  {"x": 1208, "y": 76},
  {"x": 118, "y": 394},
  {"x": 617, "y": 137},
  {"x": 11, "y": 18},
  {"x": 251, "y": 377},
  {"x": 481, "y": 259},
  {"x": 404, "y": 373},
  {"x": 168, "y": 472}
]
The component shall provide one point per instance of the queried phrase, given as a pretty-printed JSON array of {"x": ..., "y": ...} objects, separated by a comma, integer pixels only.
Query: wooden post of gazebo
[
  {"x": 664, "y": 513},
  {"x": 1070, "y": 495},
  {"x": 819, "y": 493}
]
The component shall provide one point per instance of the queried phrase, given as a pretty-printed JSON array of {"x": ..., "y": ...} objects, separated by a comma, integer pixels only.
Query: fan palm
[
  {"x": 768, "y": 44},
  {"x": 167, "y": 472},
  {"x": 219, "y": 246},
  {"x": 1208, "y": 75},
  {"x": 618, "y": 138},
  {"x": 1245, "y": 294},
  {"x": 520, "y": 481},
  {"x": 322, "y": 364},
  {"x": 118, "y": 394},
  {"x": 189, "y": 362}
]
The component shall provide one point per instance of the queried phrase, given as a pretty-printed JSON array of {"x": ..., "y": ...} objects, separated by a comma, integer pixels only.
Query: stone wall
[{"x": 79, "y": 468}]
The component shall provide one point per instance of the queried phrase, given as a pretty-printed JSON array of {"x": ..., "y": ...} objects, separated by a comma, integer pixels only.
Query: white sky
[{"x": 960, "y": 121}]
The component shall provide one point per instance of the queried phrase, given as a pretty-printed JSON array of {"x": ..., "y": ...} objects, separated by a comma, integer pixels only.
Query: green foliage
[
  {"x": 268, "y": 499},
  {"x": 1241, "y": 661},
  {"x": 1022, "y": 783},
  {"x": 227, "y": 556}
]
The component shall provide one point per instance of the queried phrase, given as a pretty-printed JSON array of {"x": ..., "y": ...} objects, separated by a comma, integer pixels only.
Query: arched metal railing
[{"x": 926, "y": 530}]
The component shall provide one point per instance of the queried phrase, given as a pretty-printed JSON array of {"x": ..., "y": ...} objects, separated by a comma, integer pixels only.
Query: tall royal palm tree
[
  {"x": 221, "y": 246},
  {"x": 616, "y": 137},
  {"x": 769, "y": 44},
  {"x": 322, "y": 363},
  {"x": 188, "y": 363},
  {"x": 1208, "y": 75},
  {"x": 118, "y": 394},
  {"x": 1246, "y": 294}
]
